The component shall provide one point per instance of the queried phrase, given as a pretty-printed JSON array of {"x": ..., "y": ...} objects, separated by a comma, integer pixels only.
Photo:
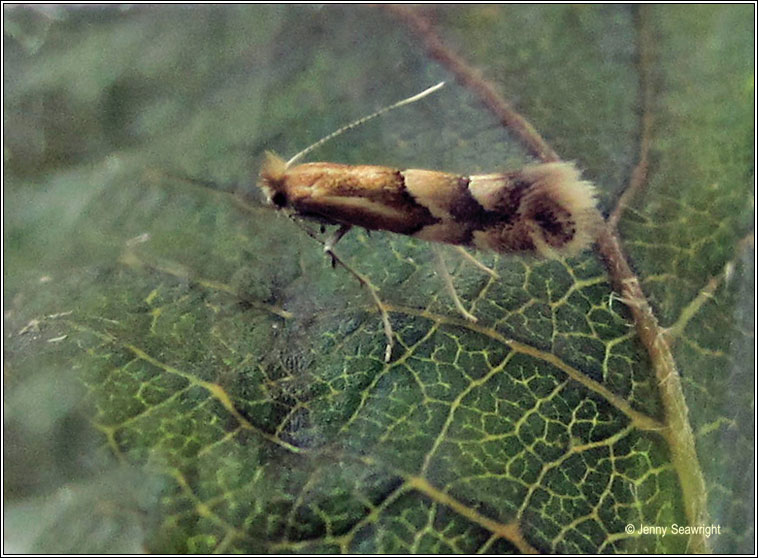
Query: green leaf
[{"x": 169, "y": 337}]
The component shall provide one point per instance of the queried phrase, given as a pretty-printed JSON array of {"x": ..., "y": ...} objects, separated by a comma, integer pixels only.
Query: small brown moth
[{"x": 546, "y": 209}]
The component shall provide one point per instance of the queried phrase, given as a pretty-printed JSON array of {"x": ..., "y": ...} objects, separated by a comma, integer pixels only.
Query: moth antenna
[{"x": 365, "y": 119}]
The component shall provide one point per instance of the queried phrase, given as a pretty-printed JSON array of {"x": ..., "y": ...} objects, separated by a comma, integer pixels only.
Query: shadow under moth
[{"x": 543, "y": 209}]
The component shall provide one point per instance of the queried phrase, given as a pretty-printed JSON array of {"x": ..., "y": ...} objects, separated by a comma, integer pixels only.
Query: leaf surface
[{"x": 224, "y": 363}]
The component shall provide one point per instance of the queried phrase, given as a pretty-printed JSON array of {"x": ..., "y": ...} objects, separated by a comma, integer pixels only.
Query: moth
[
  {"x": 544, "y": 209},
  {"x": 547, "y": 208}
]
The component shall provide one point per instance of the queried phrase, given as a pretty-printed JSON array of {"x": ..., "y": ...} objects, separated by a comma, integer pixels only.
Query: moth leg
[
  {"x": 332, "y": 241},
  {"x": 462, "y": 251},
  {"x": 364, "y": 281},
  {"x": 450, "y": 287}
]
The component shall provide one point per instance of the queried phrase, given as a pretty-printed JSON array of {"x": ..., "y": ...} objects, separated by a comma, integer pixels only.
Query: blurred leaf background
[{"x": 184, "y": 372}]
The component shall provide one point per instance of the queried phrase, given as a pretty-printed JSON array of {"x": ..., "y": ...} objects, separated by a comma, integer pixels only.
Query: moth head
[
  {"x": 272, "y": 180},
  {"x": 560, "y": 208}
]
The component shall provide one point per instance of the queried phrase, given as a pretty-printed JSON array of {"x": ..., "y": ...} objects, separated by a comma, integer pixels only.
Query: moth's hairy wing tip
[{"x": 564, "y": 206}]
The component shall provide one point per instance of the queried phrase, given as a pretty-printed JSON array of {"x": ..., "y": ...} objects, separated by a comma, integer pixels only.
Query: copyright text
[{"x": 673, "y": 529}]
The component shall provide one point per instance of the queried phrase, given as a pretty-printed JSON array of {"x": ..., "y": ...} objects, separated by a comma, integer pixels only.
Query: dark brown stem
[
  {"x": 471, "y": 79},
  {"x": 638, "y": 179}
]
